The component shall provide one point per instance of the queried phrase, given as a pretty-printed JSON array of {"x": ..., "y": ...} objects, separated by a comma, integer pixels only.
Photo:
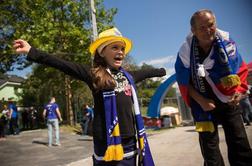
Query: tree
[
  {"x": 171, "y": 92},
  {"x": 61, "y": 27},
  {"x": 147, "y": 88}
]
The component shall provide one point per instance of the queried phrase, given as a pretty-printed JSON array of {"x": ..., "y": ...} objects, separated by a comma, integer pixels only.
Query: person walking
[
  {"x": 117, "y": 116},
  {"x": 51, "y": 113},
  {"x": 212, "y": 78}
]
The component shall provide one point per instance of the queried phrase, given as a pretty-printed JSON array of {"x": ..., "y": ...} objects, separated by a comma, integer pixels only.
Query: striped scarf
[
  {"x": 203, "y": 118},
  {"x": 114, "y": 149}
]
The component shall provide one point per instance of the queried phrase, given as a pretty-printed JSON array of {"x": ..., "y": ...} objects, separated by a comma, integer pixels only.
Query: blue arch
[{"x": 155, "y": 103}]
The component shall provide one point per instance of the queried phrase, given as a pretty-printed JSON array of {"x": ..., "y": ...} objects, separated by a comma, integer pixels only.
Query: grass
[
  {"x": 71, "y": 129},
  {"x": 144, "y": 111}
]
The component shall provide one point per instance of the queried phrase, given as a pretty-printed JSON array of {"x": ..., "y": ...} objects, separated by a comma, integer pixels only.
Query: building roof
[{"x": 10, "y": 79}]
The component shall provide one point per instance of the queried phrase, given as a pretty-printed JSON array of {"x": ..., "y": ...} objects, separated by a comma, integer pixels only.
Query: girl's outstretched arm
[{"x": 78, "y": 71}]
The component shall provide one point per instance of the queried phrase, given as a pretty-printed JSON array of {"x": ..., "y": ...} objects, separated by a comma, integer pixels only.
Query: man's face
[{"x": 205, "y": 28}]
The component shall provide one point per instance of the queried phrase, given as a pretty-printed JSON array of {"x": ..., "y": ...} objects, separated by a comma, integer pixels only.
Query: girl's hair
[{"x": 101, "y": 77}]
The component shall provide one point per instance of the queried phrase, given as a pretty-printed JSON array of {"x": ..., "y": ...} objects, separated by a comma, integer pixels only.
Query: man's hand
[
  {"x": 207, "y": 104},
  {"x": 235, "y": 99},
  {"x": 21, "y": 46}
]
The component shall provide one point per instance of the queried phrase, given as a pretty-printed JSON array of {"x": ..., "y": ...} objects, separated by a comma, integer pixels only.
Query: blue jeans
[
  {"x": 14, "y": 129},
  {"x": 84, "y": 125},
  {"x": 53, "y": 123}
]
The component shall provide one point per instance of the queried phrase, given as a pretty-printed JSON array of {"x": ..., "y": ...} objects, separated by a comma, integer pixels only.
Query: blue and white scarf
[{"x": 114, "y": 150}]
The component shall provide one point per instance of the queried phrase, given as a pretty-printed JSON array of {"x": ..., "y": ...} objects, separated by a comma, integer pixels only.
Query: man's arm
[
  {"x": 205, "y": 103},
  {"x": 10, "y": 112},
  {"x": 44, "y": 113},
  {"x": 59, "y": 114}
]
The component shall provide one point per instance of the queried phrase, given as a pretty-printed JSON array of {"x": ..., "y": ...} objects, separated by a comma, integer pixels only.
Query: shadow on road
[
  {"x": 39, "y": 142},
  {"x": 191, "y": 130},
  {"x": 85, "y": 138}
]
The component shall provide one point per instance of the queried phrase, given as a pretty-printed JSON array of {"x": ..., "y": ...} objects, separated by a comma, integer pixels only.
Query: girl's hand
[{"x": 21, "y": 46}]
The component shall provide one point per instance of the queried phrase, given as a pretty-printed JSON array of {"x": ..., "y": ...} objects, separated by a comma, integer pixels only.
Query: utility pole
[{"x": 93, "y": 19}]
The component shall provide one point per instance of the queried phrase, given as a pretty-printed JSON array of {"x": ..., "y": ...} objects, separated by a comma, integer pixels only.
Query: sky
[{"x": 158, "y": 28}]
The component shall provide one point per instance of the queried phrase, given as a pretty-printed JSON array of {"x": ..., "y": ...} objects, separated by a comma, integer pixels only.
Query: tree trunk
[{"x": 69, "y": 109}]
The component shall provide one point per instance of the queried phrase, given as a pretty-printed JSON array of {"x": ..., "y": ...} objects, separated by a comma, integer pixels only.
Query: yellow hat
[{"x": 112, "y": 34}]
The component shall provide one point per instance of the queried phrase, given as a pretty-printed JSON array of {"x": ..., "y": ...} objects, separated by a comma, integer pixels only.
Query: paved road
[
  {"x": 180, "y": 146},
  {"x": 176, "y": 146},
  {"x": 30, "y": 149}
]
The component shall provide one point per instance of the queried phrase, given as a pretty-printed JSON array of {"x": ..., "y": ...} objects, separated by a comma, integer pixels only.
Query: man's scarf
[
  {"x": 114, "y": 147},
  {"x": 223, "y": 69}
]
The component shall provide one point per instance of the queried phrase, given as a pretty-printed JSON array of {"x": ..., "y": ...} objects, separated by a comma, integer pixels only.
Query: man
[
  {"x": 13, "y": 115},
  {"x": 87, "y": 117},
  {"x": 52, "y": 114},
  {"x": 212, "y": 78}
]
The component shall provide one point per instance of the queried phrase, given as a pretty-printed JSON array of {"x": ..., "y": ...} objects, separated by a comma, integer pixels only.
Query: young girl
[{"x": 118, "y": 126}]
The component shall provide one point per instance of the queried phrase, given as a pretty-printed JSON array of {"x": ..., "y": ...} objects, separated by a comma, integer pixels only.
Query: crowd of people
[
  {"x": 9, "y": 120},
  {"x": 28, "y": 118},
  {"x": 12, "y": 120}
]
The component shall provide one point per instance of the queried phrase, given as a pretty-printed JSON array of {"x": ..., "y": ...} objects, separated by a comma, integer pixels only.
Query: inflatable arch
[{"x": 156, "y": 100}]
